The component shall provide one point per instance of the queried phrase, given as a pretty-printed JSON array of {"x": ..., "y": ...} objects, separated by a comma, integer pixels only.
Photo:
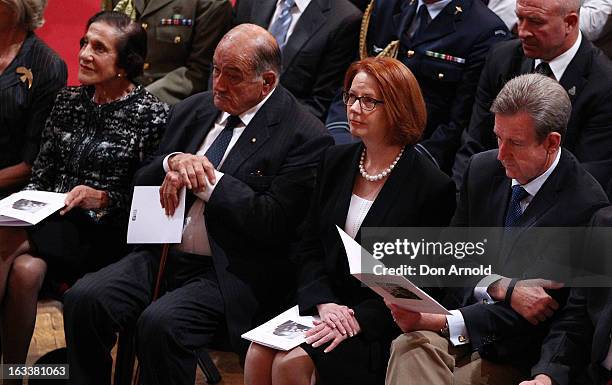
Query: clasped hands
[
  {"x": 185, "y": 170},
  {"x": 337, "y": 323}
]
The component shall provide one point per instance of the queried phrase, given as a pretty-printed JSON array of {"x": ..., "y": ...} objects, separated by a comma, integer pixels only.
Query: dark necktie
[
  {"x": 423, "y": 18},
  {"x": 280, "y": 26},
  {"x": 544, "y": 69},
  {"x": 514, "y": 209},
  {"x": 217, "y": 149}
]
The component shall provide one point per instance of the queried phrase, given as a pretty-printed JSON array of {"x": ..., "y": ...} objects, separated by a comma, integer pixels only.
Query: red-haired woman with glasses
[{"x": 380, "y": 182}]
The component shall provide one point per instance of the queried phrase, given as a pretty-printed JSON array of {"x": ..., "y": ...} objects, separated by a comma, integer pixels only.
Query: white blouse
[{"x": 358, "y": 209}]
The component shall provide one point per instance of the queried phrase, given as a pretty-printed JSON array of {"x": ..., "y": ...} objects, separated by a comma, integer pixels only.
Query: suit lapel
[
  {"x": 313, "y": 18},
  {"x": 262, "y": 12},
  {"x": 499, "y": 196},
  {"x": 152, "y": 6},
  {"x": 393, "y": 189},
  {"x": 198, "y": 129},
  {"x": 346, "y": 190},
  {"x": 255, "y": 134},
  {"x": 601, "y": 335},
  {"x": 402, "y": 20},
  {"x": 140, "y": 6},
  {"x": 573, "y": 80},
  {"x": 443, "y": 24}
]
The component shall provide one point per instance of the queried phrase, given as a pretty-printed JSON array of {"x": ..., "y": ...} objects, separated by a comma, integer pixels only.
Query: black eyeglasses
[{"x": 365, "y": 102}]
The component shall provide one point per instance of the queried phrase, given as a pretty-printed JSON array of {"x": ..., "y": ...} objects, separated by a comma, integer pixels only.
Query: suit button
[
  {"x": 410, "y": 53},
  {"x": 440, "y": 76},
  {"x": 253, "y": 140},
  {"x": 145, "y": 25},
  {"x": 177, "y": 39},
  {"x": 146, "y": 66}
]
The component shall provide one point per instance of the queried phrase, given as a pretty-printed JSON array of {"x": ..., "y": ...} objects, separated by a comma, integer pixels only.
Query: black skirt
[
  {"x": 74, "y": 244},
  {"x": 355, "y": 361}
]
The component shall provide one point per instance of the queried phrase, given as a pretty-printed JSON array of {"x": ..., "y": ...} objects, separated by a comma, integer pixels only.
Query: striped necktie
[{"x": 280, "y": 26}]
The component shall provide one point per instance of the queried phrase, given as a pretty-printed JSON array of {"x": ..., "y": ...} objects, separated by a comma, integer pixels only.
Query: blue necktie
[
  {"x": 280, "y": 26},
  {"x": 217, "y": 149},
  {"x": 514, "y": 209}
]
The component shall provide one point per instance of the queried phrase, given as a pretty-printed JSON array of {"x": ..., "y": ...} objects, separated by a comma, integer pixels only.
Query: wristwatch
[{"x": 444, "y": 331}]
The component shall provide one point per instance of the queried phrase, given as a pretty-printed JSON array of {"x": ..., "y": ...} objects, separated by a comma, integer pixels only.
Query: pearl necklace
[{"x": 381, "y": 175}]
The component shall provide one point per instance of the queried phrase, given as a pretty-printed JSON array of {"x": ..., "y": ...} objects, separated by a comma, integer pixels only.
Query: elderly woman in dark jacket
[{"x": 94, "y": 140}]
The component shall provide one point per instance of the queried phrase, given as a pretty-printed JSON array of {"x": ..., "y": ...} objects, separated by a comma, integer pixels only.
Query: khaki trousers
[{"x": 425, "y": 357}]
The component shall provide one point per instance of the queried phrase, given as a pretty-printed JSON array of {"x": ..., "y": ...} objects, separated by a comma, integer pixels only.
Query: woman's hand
[
  {"x": 338, "y": 317},
  {"x": 322, "y": 333},
  {"x": 86, "y": 198}
]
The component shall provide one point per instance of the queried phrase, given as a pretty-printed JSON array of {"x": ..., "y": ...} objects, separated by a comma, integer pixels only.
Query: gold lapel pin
[
  {"x": 26, "y": 74},
  {"x": 458, "y": 9}
]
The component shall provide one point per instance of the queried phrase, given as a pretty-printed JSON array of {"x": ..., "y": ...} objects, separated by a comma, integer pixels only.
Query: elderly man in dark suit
[
  {"x": 444, "y": 43},
  {"x": 529, "y": 182},
  {"x": 577, "y": 350},
  {"x": 550, "y": 42},
  {"x": 318, "y": 40},
  {"x": 247, "y": 153}
]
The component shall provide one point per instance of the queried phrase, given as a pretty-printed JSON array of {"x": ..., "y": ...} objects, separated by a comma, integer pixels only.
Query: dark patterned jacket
[{"x": 100, "y": 146}]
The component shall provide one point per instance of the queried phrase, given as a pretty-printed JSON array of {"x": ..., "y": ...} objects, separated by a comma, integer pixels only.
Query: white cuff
[
  {"x": 481, "y": 290},
  {"x": 456, "y": 328},
  {"x": 165, "y": 162},
  {"x": 205, "y": 195}
]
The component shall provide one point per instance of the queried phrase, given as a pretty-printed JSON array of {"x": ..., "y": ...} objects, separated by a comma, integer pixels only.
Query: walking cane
[{"x": 160, "y": 276}]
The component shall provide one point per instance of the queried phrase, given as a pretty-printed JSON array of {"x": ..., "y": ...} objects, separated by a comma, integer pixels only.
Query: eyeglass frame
[{"x": 345, "y": 100}]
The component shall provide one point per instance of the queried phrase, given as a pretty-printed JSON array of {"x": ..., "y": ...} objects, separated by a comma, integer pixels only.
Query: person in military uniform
[
  {"x": 182, "y": 36},
  {"x": 444, "y": 43}
]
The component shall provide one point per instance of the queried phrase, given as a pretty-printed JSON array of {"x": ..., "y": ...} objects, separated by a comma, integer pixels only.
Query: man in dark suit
[
  {"x": 549, "y": 39},
  {"x": 318, "y": 40},
  {"x": 529, "y": 182},
  {"x": 577, "y": 349},
  {"x": 444, "y": 43},
  {"x": 247, "y": 153}
]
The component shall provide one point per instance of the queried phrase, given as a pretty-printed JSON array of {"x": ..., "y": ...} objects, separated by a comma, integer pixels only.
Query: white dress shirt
[
  {"x": 296, "y": 13},
  {"x": 594, "y": 16},
  {"x": 456, "y": 323},
  {"x": 358, "y": 209},
  {"x": 559, "y": 64},
  {"x": 506, "y": 10},
  {"x": 195, "y": 235}
]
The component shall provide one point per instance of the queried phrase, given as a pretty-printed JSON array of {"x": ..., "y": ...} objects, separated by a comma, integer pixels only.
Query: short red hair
[{"x": 404, "y": 104}]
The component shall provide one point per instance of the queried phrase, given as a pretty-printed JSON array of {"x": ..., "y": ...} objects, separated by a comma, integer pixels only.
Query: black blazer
[
  {"x": 581, "y": 334},
  {"x": 569, "y": 197},
  {"x": 588, "y": 80},
  {"x": 415, "y": 194},
  {"x": 318, "y": 52},
  {"x": 252, "y": 215}
]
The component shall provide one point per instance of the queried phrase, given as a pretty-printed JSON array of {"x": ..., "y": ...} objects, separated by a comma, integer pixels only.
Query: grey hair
[
  {"x": 29, "y": 13},
  {"x": 543, "y": 98},
  {"x": 567, "y": 6}
]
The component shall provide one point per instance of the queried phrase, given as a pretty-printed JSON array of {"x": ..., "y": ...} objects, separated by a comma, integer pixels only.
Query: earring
[{"x": 119, "y": 75}]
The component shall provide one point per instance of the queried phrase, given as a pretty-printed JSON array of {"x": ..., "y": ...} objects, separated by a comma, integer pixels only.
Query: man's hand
[
  {"x": 193, "y": 170},
  {"x": 410, "y": 321},
  {"x": 322, "y": 333},
  {"x": 169, "y": 192},
  {"x": 540, "y": 379},
  {"x": 338, "y": 316},
  {"x": 85, "y": 197},
  {"x": 531, "y": 301}
]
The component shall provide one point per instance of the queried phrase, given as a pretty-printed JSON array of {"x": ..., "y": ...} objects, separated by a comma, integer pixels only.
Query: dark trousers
[{"x": 168, "y": 331}]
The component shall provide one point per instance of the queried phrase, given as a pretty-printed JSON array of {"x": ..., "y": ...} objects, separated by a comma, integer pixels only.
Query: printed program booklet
[
  {"x": 283, "y": 332},
  {"x": 395, "y": 289},
  {"x": 28, "y": 207},
  {"x": 148, "y": 221}
]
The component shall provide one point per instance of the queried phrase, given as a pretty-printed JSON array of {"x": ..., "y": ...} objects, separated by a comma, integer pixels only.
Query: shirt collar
[
  {"x": 435, "y": 8},
  {"x": 248, "y": 115},
  {"x": 536, "y": 184},
  {"x": 559, "y": 64},
  {"x": 300, "y": 4}
]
